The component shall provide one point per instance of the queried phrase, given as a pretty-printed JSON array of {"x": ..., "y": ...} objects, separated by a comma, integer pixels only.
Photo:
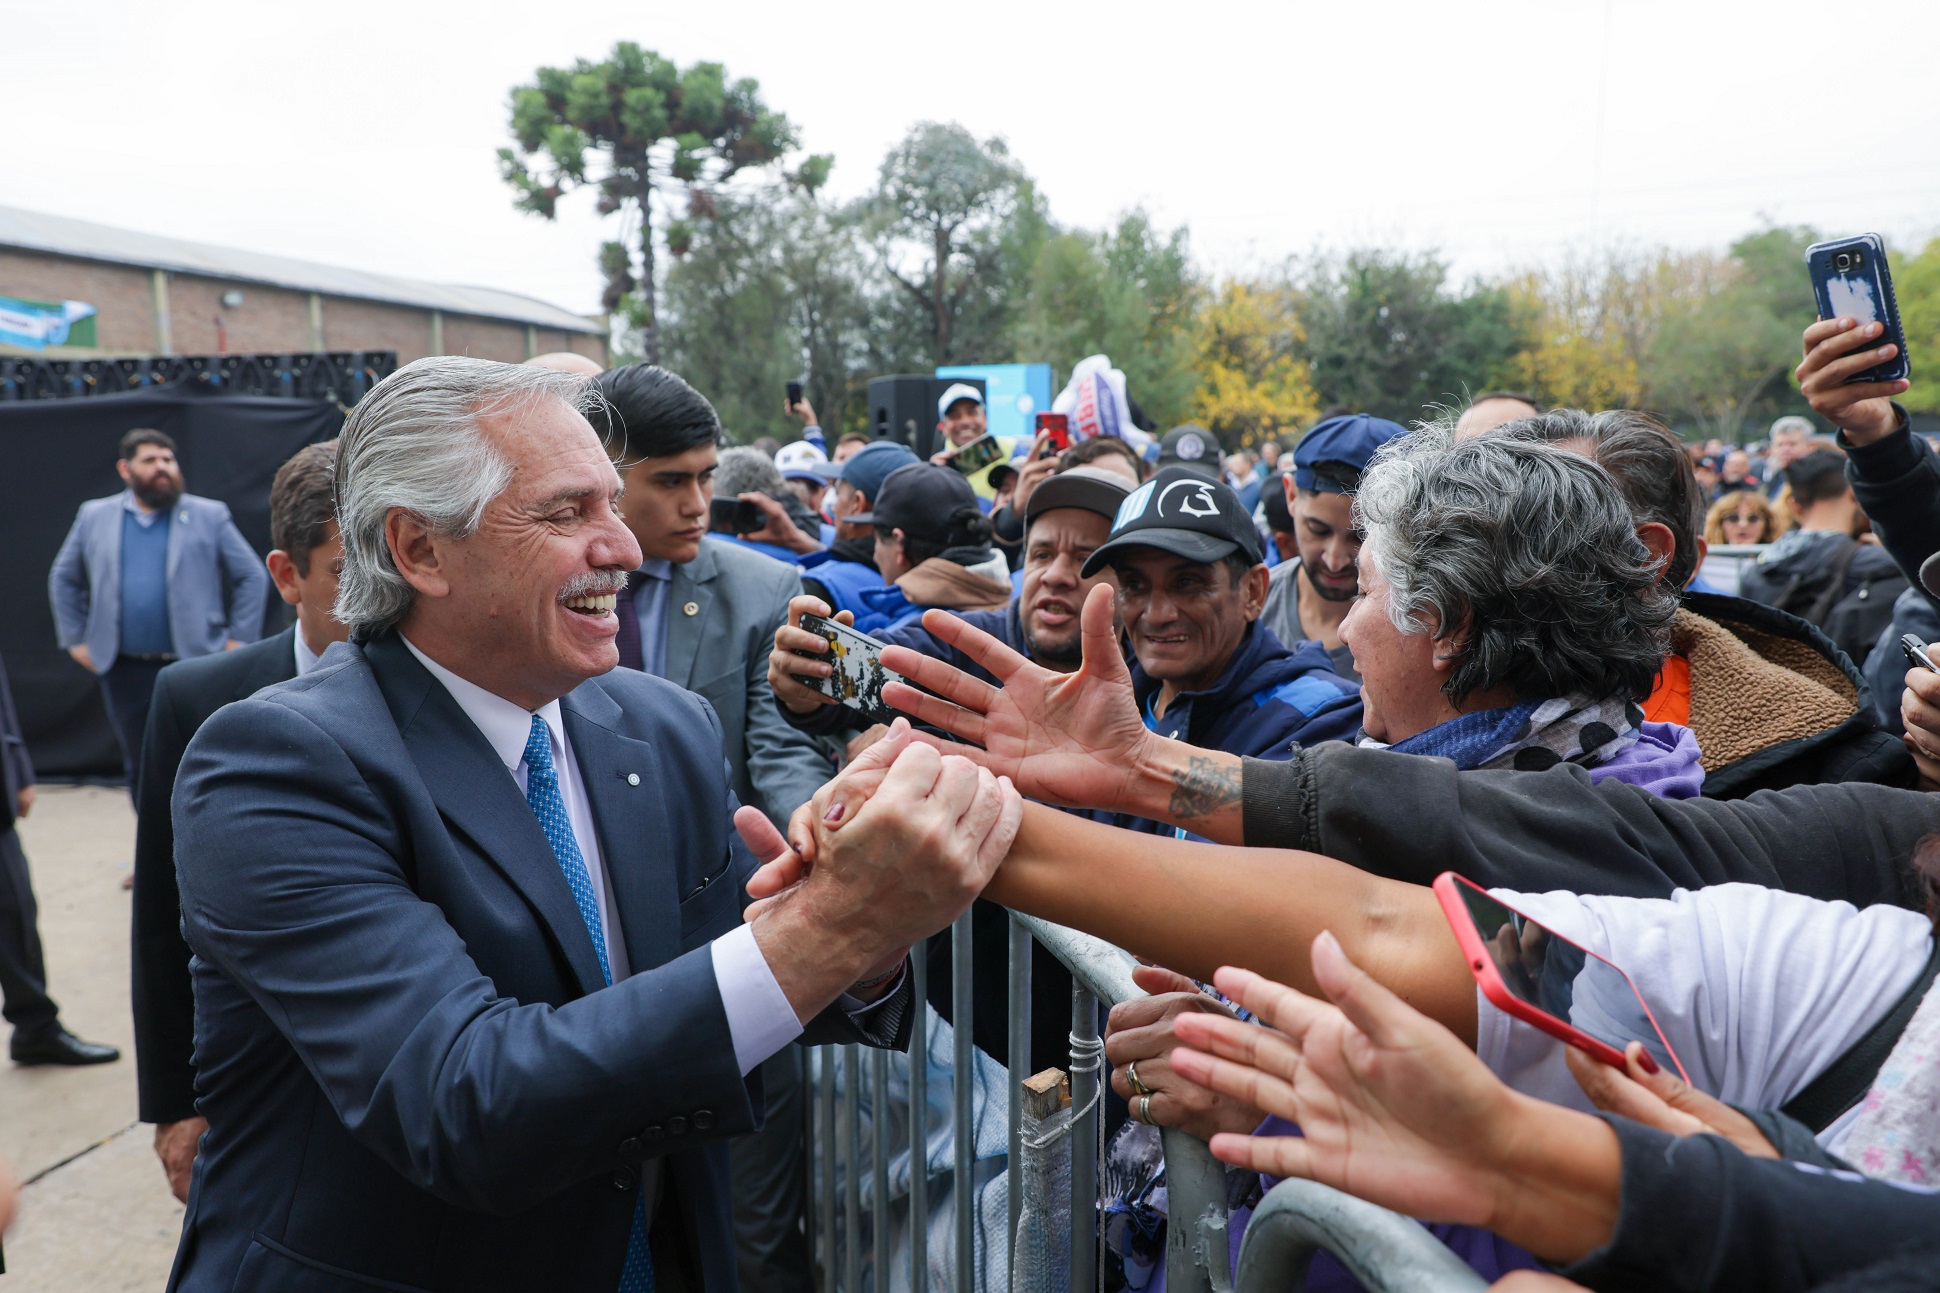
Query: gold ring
[
  {"x": 1131, "y": 1076},
  {"x": 1145, "y": 1108}
]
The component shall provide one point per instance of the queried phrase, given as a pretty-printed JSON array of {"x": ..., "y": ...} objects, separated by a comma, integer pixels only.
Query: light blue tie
[{"x": 542, "y": 793}]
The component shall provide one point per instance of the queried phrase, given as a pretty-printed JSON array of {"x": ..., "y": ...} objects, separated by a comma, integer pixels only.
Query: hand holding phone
[
  {"x": 1054, "y": 433},
  {"x": 858, "y": 675},
  {"x": 734, "y": 516},
  {"x": 971, "y": 458},
  {"x": 1533, "y": 974},
  {"x": 1918, "y": 654}
]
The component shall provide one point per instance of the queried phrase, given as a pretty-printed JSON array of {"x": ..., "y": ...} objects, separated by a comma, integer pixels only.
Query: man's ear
[
  {"x": 1659, "y": 542},
  {"x": 282, "y": 573},
  {"x": 420, "y": 556},
  {"x": 1252, "y": 591},
  {"x": 121, "y": 468},
  {"x": 1703, "y": 550}
]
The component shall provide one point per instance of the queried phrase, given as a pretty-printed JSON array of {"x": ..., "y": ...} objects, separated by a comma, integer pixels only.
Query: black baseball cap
[
  {"x": 918, "y": 499},
  {"x": 1182, "y": 512},
  {"x": 1191, "y": 446},
  {"x": 1091, "y": 488}
]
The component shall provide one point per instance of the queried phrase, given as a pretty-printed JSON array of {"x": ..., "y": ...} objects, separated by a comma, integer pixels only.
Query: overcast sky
[{"x": 1503, "y": 133}]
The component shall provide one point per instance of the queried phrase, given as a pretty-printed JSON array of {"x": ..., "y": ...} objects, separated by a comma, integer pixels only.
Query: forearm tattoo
[{"x": 1203, "y": 787}]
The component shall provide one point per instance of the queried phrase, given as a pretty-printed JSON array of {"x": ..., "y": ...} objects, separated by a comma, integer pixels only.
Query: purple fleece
[{"x": 1663, "y": 760}]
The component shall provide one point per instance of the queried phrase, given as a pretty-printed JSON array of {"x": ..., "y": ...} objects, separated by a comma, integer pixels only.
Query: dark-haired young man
[
  {"x": 1308, "y": 595},
  {"x": 303, "y": 562},
  {"x": 1813, "y": 569},
  {"x": 701, "y": 613},
  {"x": 147, "y": 576}
]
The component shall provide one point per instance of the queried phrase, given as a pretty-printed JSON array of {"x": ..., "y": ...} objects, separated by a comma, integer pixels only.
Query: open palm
[
  {"x": 1064, "y": 738},
  {"x": 1392, "y": 1106}
]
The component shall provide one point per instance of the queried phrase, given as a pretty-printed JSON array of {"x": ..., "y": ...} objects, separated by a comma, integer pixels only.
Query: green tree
[
  {"x": 1383, "y": 334},
  {"x": 956, "y": 224},
  {"x": 1916, "y": 284},
  {"x": 650, "y": 124},
  {"x": 1130, "y": 292},
  {"x": 1728, "y": 336}
]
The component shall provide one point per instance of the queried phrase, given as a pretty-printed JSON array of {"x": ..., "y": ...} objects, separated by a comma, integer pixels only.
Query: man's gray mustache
[{"x": 593, "y": 583}]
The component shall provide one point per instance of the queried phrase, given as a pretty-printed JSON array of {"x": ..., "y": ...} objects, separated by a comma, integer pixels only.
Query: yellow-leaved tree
[{"x": 1252, "y": 387}]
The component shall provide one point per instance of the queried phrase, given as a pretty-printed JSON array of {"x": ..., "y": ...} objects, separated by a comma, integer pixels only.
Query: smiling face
[
  {"x": 962, "y": 422},
  {"x": 523, "y": 606},
  {"x": 1400, "y": 682},
  {"x": 1052, "y": 592},
  {"x": 1323, "y": 527},
  {"x": 1184, "y": 618},
  {"x": 665, "y": 504}
]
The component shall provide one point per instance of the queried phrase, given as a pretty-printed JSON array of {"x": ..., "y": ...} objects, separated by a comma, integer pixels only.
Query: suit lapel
[
  {"x": 478, "y": 796},
  {"x": 276, "y": 662},
  {"x": 622, "y": 777},
  {"x": 692, "y": 585}
]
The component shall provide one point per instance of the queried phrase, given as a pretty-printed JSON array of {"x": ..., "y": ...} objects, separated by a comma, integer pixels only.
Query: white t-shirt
[{"x": 1757, "y": 990}]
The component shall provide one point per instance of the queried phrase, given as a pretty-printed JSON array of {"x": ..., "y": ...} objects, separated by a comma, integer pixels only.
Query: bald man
[
  {"x": 1491, "y": 409},
  {"x": 566, "y": 361}
]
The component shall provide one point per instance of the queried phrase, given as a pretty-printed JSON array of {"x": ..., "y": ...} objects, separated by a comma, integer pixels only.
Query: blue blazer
[
  {"x": 413, "y": 1074},
  {"x": 217, "y": 586}
]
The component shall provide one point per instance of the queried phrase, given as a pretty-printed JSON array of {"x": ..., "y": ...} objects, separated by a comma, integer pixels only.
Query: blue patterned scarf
[{"x": 1530, "y": 736}]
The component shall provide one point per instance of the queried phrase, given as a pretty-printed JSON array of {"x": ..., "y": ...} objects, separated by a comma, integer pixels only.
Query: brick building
[{"x": 164, "y": 296}]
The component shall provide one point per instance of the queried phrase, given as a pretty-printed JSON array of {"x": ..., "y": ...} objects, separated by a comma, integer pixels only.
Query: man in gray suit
[
  {"x": 151, "y": 575},
  {"x": 702, "y": 613}
]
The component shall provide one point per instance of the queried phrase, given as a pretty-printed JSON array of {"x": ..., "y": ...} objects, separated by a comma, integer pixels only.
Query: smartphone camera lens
[{"x": 1842, "y": 261}]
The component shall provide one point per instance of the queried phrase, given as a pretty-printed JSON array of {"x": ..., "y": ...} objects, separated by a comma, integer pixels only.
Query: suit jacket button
[
  {"x": 625, "y": 1178},
  {"x": 630, "y": 1148},
  {"x": 676, "y": 1126},
  {"x": 703, "y": 1120},
  {"x": 654, "y": 1132}
]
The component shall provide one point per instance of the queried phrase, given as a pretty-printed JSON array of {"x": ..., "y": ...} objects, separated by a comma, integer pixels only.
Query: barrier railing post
[
  {"x": 1086, "y": 1062},
  {"x": 826, "y": 1142},
  {"x": 962, "y": 1094},
  {"x": 919, "y": 1123},
  {"x": 1020, "y": 1066},
  {"x": 879, "y": 1176},
  {"x": 851, "y": 1169}
]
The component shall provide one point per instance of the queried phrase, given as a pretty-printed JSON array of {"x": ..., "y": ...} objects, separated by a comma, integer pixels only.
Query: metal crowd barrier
[
  {"x": 1383, "y": 1250},
  {"x": 1196, "y": 1245}
]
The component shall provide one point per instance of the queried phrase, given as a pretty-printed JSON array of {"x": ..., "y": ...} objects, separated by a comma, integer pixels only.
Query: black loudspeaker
[{"x": 903, "y": 408}]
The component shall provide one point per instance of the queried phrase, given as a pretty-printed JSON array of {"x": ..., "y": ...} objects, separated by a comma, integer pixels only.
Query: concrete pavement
[{"x": 96, "y": 1215}]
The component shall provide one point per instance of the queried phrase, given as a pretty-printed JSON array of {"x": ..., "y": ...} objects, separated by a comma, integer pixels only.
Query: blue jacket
[
  {"x": 217, "y": 586},
  {"x": 844, "y": 582},
  {"x": 1268, "y": 702},
  {"x": 413, "y": 1073}
]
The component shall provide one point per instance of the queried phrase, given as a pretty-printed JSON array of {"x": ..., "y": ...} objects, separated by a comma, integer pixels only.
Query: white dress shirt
[
  {"x": 306, "y": 659},
  {"x": 760, "y": 1020}
]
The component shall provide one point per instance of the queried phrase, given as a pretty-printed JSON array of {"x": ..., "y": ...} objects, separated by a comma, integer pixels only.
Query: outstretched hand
[
  {"x": 786, "y": 862},
  {"x": 1644, "y": 1092},
  {"x": 1396, "y": 1110},
  {"x": 1064, "y": 738}
]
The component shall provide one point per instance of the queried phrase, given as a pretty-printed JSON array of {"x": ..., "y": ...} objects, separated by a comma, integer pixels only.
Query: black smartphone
[
  {"x": 1916, "y": 653},
  {"x": 734, "y": 516},
  {"x": 794, "y": 394},
  {"x": 1851, "y": 281},
  {"x": 982, "y": 452}
]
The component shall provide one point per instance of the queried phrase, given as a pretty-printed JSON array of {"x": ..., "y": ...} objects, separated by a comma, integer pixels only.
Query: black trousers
[
  {"x": 129, "y": 689},
  {"x": 771, "y": 1185},
  {"x": 24, "y": 1002}
]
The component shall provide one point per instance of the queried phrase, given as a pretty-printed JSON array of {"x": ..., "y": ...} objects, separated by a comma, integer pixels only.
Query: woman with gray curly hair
[{"x": 1510, "y": 617}]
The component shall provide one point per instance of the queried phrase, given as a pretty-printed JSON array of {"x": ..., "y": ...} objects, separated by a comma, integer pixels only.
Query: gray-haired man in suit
[
  {"x": 702, "y": 614},
  {"x": 151, "y": 575}
]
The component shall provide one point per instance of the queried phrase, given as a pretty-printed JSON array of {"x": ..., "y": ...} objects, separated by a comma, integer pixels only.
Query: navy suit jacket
[{"x": 413, "y": 1076}]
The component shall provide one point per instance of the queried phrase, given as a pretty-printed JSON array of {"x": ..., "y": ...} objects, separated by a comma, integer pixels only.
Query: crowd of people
[{"x": 475, "y": 912}]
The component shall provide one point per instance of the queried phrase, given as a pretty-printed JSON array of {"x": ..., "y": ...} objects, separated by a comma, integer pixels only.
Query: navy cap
[
  {"x": 919, "y": 498},
  {"x": 1350, "y": 440},
  {"x": 871, "y": 465},
  {"x": 1190, "y": 446},
  {"x": 1181, "y": 512}
]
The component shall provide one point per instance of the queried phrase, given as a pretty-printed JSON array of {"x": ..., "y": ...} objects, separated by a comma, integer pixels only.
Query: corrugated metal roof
[{"x": 59, "y": 235}]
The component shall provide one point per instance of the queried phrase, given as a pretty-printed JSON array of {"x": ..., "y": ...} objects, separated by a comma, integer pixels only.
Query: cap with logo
[
  {"x": 803, "y": 461},
  {"x": 1190, "y": 446},
  {"x": 954, "y": 392},
  {"x": 1348, "y": 442},
  {"x": 918, "y": 499},
  {"x": 1181, "y": 512},
  {"x": 871, "y": 465},
  {"x": 1092, "y": 488}
]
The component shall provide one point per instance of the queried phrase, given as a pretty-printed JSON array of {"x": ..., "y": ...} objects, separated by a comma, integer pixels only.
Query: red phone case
[{"x": 1482, "y": 965}]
